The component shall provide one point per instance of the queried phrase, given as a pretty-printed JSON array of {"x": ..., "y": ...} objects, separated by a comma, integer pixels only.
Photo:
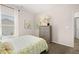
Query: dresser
[{"x": 45, "y": 32}]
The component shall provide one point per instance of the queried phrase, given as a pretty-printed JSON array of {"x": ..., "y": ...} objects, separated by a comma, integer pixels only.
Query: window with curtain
[{"x": 7, "y": 21}]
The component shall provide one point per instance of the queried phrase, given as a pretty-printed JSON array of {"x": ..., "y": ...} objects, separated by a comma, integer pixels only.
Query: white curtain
[{"x": 7, "y": 21}]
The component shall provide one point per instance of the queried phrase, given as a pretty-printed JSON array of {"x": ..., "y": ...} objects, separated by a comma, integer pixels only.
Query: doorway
[
  {"x": 76, "y": 20},
  {"x": 76, "y": 35}
]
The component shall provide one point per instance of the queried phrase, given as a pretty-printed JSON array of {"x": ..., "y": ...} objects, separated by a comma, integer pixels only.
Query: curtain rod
[
  {"x": 9, "y": 7},
  {"x": 6, "y": 6}
]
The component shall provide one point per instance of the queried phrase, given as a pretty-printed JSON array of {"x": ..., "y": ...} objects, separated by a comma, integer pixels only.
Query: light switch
[{"x": 67, "y": 27}]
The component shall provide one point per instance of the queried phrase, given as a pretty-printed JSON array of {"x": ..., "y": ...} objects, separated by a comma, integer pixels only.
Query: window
[{"x": 7, "y": 21}]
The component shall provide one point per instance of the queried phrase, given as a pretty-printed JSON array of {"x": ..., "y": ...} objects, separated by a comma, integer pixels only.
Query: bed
[{"x": 27, "y": 44}]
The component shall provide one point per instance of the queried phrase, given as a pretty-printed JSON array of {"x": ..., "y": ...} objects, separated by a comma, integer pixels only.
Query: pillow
[{"x": 7, "y": 46}]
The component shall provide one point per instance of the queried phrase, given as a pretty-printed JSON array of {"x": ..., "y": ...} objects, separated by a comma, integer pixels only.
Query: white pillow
[{"x": 7, "y": 46}]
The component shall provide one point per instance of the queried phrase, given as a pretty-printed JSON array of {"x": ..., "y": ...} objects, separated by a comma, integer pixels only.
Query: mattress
[{"x": 27, "y": 44}]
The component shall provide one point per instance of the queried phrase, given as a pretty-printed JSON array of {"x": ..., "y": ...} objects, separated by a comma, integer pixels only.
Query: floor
[{"x": 61, "y": 49}]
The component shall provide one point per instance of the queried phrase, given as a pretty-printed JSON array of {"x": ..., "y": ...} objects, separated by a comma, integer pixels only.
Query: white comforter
[{"x": 27, "y": 43}]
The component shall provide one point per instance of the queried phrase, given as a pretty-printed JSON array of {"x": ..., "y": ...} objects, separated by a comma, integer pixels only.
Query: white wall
[
  {"x": 25, "y": 15},
  {"x": 62, "y": 23}
]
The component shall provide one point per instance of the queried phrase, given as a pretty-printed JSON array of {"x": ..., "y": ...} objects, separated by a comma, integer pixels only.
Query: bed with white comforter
[{"x": 27, "y": 44}]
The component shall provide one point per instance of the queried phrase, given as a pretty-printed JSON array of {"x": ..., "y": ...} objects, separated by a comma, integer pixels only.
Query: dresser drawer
[{"x": 44, "y": 32}]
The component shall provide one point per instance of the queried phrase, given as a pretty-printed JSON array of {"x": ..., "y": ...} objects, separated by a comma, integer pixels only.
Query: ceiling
[
  {"x": 39, "y": 8},
  {"x": 35, "y": 8}
]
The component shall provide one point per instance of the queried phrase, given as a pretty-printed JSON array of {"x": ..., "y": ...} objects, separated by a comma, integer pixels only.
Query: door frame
[{"x": 75, "y": 26}]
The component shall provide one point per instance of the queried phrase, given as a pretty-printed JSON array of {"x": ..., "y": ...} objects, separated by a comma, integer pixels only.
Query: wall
[
  {"x": 28, "y": 17},
  {"x": 62, "y": 23}
]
